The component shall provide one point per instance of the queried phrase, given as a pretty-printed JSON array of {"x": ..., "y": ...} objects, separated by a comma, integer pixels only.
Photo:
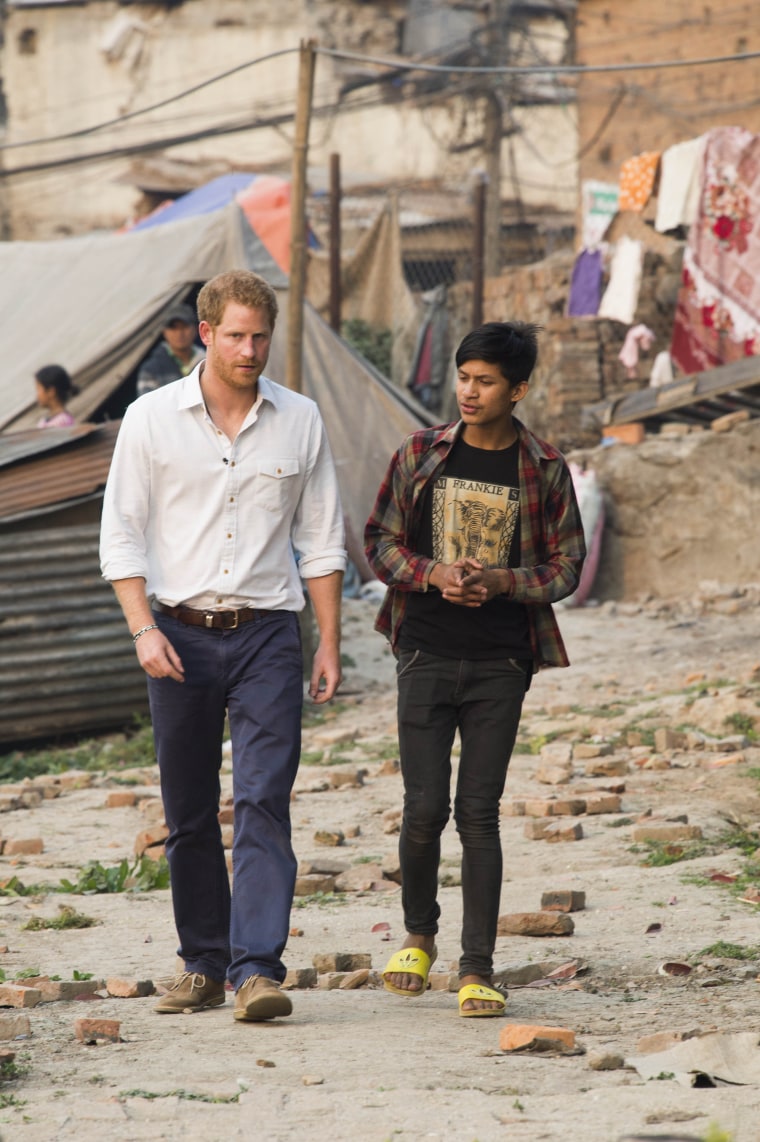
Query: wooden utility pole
[
  {"x": 335, "y": 280},
  {"x": 492, "y": 146},
  {"x": 297, "y": 290},
  {"x": 492, "y": 134},
  {"x": 478, "y": 247}
]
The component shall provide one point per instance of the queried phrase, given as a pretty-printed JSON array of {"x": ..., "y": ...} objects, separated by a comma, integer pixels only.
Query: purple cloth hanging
[{"x": 585, "y": 284}]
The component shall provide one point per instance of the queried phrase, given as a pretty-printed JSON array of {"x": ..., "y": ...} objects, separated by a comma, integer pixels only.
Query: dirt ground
[{"x": 363, "y": 1064}]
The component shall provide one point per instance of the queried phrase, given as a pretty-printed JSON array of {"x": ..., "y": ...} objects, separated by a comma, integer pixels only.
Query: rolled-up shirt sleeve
[
  {"x": 318, "y": 533},
  {"x": 123, "y": 549}
]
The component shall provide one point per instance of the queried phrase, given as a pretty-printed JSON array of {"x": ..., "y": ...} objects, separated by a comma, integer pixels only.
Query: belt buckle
[{"x": 211, "y": 615}]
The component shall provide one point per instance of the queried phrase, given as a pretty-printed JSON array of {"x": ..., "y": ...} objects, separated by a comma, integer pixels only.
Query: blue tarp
[{"x": 204, "y": 200}]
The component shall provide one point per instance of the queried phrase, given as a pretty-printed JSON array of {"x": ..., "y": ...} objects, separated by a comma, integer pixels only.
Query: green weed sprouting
[{"x": 144, "y": 875}]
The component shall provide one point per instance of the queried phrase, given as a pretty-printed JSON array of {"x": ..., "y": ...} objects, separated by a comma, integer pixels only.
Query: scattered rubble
[
  {"x": 535, "y": 924},
  {"x": 91, "y": 1031},
  {"x": 514, "y": 1036},
  {"x": 610, "y": 763},
  {"x": 563, "y": 900}
]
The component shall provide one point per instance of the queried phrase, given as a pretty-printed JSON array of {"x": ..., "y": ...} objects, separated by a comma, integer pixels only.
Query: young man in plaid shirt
[{"x": 475, "y": 532}]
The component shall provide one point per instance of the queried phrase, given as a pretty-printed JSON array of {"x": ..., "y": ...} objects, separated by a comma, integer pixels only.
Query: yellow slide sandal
[
  {"x": 478, "y": 991},
  {"x": 409, "y": 961}
]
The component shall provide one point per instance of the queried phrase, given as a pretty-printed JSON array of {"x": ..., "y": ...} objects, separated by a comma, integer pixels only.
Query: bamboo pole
[
  {"x": 478, "y": 250},
  {"x": 500, "y": 17},
  {"x": 492, "y": 134},
  {"x": 297, "y": 290},
  {"x": 335, "y": 278}
]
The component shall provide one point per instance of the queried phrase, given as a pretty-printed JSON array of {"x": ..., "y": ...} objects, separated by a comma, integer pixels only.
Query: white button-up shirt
[{"x": 214, "y": 523}]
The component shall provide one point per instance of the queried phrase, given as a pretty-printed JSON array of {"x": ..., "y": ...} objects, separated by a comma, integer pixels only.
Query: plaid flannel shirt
[{"x": 552, "y": 549}]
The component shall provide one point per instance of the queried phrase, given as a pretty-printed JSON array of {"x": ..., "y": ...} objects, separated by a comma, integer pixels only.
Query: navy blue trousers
[
  {"x": 253, "y": 674},
  {"x": 483, "y": 700}
]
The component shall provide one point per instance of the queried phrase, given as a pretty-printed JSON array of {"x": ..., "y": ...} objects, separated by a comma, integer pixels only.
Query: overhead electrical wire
[
  {"x": 83, "y": 131},
  {"x": 398, "y": 65},
  {"x": 554, "y": 68},
  {"x": 278, "y": 119}
]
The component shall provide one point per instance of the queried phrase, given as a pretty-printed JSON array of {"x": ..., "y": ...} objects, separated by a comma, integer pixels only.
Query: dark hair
[
  {"x": 512, "y": 345},
  {"x": 56, "y": 377}
]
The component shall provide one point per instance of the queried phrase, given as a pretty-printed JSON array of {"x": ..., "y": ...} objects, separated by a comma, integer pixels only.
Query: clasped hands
[{"x": 467, "y": 583}]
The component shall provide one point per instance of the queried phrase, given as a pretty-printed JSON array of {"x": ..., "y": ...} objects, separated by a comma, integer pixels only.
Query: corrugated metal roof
[
  {"x": 68, "y": 665},
  {"x": 45, "y": 3},
  {"x": 18, "y": 445},
  {"x": 71, "y": 469}
]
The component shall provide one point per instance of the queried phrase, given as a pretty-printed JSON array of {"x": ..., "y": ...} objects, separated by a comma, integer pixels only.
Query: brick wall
[
  {"x": 578, "y": 357},
  {"x": 623, "y": 113}
]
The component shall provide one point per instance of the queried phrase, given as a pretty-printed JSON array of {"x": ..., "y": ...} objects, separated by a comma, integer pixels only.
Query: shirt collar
[
  {"x": 527, "y": 440},
  {"x": 190, "y": 394},
  {"x": 534, "y": 445}
]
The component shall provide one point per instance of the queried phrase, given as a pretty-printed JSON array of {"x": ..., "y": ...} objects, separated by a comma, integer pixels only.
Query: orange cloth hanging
[{"x": 637, "y": 177}]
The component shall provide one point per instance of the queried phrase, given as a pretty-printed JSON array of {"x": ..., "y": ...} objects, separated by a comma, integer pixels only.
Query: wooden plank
[{"x": 738, "y": 381}]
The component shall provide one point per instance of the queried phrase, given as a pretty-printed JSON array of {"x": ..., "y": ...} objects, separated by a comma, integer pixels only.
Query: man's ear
[
  {"x": 519, "y": 391},
  {"x": 205, "y": 332}
]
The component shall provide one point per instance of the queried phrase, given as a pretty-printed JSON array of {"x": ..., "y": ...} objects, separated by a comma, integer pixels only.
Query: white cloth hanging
[
  {"x": 622, "y": 294},
  {"x": 680, "y": 184},
  {"x": 662, "y": 370}
]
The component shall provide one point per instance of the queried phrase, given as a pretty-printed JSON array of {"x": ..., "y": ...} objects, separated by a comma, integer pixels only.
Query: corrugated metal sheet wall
[{"x": 66, "y": 661}]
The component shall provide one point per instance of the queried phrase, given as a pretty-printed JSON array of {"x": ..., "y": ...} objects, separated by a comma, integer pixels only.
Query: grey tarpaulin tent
[{"x": 95, "y": 304}]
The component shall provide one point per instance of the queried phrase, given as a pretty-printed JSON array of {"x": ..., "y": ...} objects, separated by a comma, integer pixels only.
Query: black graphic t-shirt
[{"x": 472, "y": 509}]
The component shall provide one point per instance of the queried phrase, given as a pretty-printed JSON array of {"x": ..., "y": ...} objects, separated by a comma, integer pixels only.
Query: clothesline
[{"x": 710, "y": 184}]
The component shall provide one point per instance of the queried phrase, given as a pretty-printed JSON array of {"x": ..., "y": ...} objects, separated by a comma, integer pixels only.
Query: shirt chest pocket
[{"x": 277, "y": 484}]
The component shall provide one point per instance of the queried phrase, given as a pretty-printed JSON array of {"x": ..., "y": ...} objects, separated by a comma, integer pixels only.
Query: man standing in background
[{"x": 175, "y": 356}]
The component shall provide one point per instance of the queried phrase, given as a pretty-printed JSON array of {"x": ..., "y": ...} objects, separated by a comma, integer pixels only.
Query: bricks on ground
[
  {"x": 592, "y": 803},
  {"x": 563, "y": 900},
  {"x": 149, "y": 838},
  {"x": 665, "y": 832},
  {"x": 53, "y": 990},
  {"x": 341, "y": 961},
  {"x": 22, "y": 846},
  {"x": 14, "y": 995},
  {"x": 14, "y": 1026},
  {"x": 97, "y": 1030},
  {"x": 121, "y": 799},
  {"x": 535, "y": 924},
  {"x": 553, "y": 831},
  {"x": 130, "y": 988},
  {"x": 516, "y": 1036}
]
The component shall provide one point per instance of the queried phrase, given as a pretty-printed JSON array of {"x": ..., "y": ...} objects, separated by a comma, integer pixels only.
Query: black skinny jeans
[{"x": 483, "y": 700}]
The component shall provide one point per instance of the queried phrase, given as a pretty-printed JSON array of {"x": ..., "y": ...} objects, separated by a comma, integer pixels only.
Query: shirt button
[
  {"x": 220, "y": 599},
  {"x": 232, "y": 499},
  {"x": 226, "y": 572},
  {"x": 229, "y": 535},
  {"x": 232, "y": 465},
  {"x": 279, "y": 471}
]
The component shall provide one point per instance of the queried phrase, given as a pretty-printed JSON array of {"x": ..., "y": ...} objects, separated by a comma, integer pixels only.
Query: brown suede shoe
[
  {"x": 260, "y": 998},
  {"x": 190, "y": 992}
]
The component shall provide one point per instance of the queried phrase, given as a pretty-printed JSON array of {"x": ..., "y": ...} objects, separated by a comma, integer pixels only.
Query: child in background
[{"x": 54, "y": 389}]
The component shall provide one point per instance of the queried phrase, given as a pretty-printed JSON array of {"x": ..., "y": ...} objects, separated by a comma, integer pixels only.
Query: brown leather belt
[{"x": 212, "y": 620}]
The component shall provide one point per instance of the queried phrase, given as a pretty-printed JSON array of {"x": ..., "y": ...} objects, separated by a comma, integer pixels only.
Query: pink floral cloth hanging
[
  {"x": 637, "y": 177},
  {"x": 718, "y": 311}
]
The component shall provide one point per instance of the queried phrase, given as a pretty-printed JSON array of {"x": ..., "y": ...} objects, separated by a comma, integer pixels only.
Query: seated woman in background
[{"x": 54, "y": 388}]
